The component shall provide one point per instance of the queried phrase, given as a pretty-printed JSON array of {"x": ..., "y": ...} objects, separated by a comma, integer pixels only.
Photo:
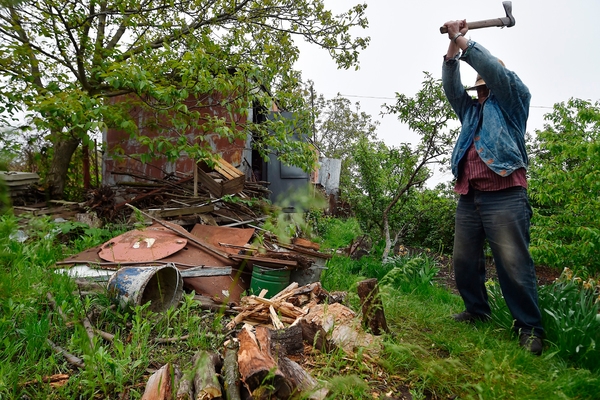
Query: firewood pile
[{"x": 258, "y": 363}]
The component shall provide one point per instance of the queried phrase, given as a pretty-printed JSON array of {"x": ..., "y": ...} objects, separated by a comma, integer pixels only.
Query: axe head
[{"x": 508, "y": 9}]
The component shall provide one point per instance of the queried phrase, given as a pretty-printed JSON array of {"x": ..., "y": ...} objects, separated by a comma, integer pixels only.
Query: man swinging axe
[{"x": 489, "y": 162}]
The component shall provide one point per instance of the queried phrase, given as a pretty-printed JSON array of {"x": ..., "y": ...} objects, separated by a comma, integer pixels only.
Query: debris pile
[
  {"x": 274, "y": 316},
  {"x": 259, "y": 362}
]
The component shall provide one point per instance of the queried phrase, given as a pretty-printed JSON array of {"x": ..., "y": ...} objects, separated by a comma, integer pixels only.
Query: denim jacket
[{"x": 498, "y": 126}]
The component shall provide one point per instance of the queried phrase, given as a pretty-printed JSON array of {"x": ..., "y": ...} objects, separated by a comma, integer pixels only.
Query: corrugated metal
[
  {"x": 120, "y": 142},
  {"x": 329, "y": 175}
]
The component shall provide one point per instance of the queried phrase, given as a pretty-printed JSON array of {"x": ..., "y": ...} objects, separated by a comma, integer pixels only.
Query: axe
[{"x": 507, "y": 21}]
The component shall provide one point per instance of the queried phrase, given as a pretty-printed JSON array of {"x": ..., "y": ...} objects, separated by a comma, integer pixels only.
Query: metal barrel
[
  {"x": 274, "y": 280},
  {"x": 162, "y": 286}
]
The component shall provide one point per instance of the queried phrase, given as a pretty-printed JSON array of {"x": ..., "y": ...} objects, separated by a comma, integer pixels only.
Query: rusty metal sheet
[
  {"x": 215, "y": 235},
  {"x": 225, "y": 289},
  {"x": 150, "y": 244}
]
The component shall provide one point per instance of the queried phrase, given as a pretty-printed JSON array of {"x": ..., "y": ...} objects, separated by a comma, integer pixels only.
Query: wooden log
[
  {"x": 314, "y": 334},
  {"x": 288, "y": 340},
  {"x": 231, "y": 371},
  {"x": 159, "y": 385},
  {"x": 257, "y": 364},
  {"x": 185, "y": 387},
  {"x": 302, "y": 382},
  {"x": 342, "y": 328},
  {"x": 373, "y": 317},
  {"x": 206, "y": 382}
]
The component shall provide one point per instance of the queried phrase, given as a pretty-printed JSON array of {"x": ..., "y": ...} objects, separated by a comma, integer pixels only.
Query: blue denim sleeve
[
  {"x": 455, "y": 92},
  {"x": 512, "y": 94}
]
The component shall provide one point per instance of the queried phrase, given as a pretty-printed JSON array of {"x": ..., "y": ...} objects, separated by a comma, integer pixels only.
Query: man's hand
[{"x": 455, "y": 27}]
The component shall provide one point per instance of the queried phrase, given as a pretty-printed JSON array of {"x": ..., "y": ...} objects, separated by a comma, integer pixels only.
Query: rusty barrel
[
  {"x": 274, "y": 280},
  {"x": 162, "y": 286}
]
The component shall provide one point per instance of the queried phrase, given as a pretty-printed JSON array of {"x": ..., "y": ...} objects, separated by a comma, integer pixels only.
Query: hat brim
[{"x": 480, "y": 82}]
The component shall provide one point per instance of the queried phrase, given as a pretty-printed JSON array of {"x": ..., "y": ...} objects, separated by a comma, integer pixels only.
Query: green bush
[{"x": 564, "y": 188}]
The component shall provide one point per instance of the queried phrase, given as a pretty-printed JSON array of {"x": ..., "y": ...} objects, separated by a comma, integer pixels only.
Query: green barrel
[{"x": 274, "y": 280}]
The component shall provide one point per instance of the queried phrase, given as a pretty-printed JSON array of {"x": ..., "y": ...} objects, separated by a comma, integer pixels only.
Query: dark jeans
[{"x": 503, "y": 218}]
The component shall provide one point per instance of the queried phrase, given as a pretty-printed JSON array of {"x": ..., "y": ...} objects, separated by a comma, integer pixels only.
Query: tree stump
[{"x": 372, "y": 307}]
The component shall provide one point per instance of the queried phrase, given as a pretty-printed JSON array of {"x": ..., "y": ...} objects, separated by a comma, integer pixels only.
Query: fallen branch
[
  {"x": 89, "y": 329},
  {"x": 109, "y": 337},
  {"x": 71, "y": 359},
  {"x": 171, "y": 339},
  {"x": 57, "y": 308},
  {"x": 55, "y": 380}
]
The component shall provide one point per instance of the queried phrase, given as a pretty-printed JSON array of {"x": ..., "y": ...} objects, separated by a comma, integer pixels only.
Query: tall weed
[
  {"x": 406, "y": 272},
  {"x": 570, "y": 318}
]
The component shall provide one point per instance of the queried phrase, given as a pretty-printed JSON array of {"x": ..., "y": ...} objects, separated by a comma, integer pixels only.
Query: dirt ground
[{"x": 545, "y": 275}]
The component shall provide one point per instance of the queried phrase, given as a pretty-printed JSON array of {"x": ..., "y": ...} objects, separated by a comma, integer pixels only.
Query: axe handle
[{"x": 486, "y": 23}]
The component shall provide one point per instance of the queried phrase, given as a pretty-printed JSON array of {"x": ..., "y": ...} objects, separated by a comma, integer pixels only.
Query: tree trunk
[
  {"x": 85, "y": 159},
  {"x": 59, "y": 166},
  {"x": 386, "y": 231},
  {"x": 304, "y": 385}
]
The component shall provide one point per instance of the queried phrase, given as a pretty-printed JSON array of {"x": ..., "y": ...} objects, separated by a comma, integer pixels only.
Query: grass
[{"x": 425, "y": 355}]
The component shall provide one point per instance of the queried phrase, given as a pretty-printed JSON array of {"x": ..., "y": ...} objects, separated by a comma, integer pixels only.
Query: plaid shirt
[{"x": 475, "y": 174}]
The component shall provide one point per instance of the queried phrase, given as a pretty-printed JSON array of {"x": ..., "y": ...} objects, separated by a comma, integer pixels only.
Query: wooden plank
[
  {"x": 264, "y": 260},
  {"x": 205, "y": 271},
  {"x": 227, "y": 170},
  {"x": 178, "y": 212}
]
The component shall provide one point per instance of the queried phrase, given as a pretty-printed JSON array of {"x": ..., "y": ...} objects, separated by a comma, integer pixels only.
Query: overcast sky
[{"x": 554, "y": 48}]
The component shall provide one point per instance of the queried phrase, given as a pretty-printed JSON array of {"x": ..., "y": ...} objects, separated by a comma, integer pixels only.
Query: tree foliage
[
  {"x": 565, "y": 189},
  {"x": 339, "y": 126},
  {"x": 64, "y": 61},
  {"x": 428, "y": 114}
]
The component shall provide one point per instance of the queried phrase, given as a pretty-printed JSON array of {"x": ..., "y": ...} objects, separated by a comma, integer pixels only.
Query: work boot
[
  {"x": 466, "y": 316},
  {"x": 530, "y": 342}
]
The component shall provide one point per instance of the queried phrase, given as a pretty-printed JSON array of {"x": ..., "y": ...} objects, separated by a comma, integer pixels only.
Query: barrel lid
[{"x": 150, "y": 244}]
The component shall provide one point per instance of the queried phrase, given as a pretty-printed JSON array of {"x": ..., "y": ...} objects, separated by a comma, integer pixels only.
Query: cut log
[
  {"x": 373, "y": 317},
  {"x": 342, "y": 328},
  {"x": 159, "y": 385},
  {"x": 231, "y": 371},
  {"x": 314, "y": 334},
  {"x": 185, "y": 389},
  {"x": 257, "y": 364},
  {"x": 302, "y": 382},
  {"x": 183, "y": 383},
  {"x": 206, "y": 382},
  {"x": 288, "y": 340}
]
